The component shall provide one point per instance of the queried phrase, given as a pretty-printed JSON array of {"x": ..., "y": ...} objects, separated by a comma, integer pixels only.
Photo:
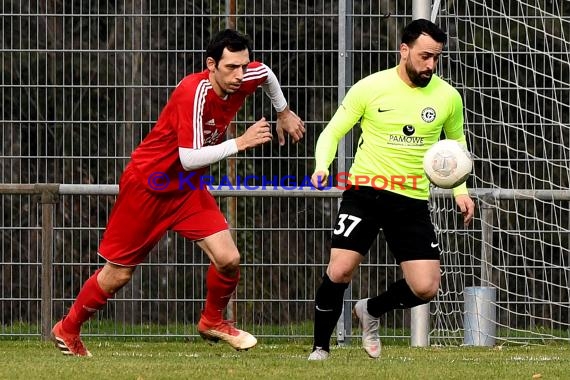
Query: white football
[{"x": 447, "y": 164}]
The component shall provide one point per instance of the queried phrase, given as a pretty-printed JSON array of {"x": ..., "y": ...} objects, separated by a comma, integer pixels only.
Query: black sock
[
  {"x": 398, "y": 296},
  {"x": 328, "y": 307}
]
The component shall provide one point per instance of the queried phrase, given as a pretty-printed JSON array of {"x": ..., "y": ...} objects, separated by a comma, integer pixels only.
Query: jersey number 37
[{"x": 346, "y": 223}]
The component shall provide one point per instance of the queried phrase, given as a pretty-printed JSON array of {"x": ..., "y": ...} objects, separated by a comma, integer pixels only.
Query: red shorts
[{"x": 140, "y": 218}]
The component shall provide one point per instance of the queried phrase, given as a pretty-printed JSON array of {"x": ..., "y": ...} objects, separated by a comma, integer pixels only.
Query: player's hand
[
  {"x": 319, "y": 179},
  {"x": 467, "y": 207},
  {"x": 288, "y": 121},
  {"x": 258, "y": 134}
]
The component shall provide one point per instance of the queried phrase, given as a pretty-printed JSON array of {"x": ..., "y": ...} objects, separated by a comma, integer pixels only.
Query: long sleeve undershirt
[{"x": 193, "y": 159}]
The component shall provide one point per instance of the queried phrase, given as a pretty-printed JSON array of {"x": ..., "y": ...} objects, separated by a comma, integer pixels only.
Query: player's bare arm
[
  {"x": 258, "y": 134},
  {"x": 288, "y": 121}
]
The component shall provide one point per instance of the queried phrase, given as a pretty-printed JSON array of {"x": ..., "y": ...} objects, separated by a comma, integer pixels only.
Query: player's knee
[
  {"x": 342, "y": 265},
  {"x": 229, "y": 264},
  {"x": 426, "y": 290},
  {"x": 122, "y": 278},
  {"x": 339, "y": 274},
  {"x": 112, "y": 278},
  {"x": 427, "y": 294}
]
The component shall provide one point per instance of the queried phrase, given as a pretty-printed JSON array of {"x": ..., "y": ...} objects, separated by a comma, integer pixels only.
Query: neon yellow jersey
[{"x": 399, "y": 123}]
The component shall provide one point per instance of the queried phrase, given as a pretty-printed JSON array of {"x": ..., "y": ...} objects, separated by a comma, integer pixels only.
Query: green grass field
[{"x": 115, "y": 359}]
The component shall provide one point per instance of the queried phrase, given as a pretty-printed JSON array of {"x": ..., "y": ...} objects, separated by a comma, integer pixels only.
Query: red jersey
[{"x": 195, "y": 116}]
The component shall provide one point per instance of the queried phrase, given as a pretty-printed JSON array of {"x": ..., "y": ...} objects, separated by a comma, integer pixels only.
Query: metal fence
[
  {"x": 277, "y": 290},
  {"x": 83, "y": 82}
]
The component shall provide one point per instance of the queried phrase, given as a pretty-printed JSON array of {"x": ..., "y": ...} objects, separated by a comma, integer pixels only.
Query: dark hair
[
  {"x": 422, "y": 26},
  {"x": 228, "y": 39}
]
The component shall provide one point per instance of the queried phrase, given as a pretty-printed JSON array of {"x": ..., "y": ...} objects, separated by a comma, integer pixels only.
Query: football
[{"x": 447, "y": 164}]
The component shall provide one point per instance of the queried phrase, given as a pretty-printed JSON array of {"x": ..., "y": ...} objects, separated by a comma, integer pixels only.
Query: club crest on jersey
[
  {"x": 212, "y": 138},
  {"x": 428, "y": 114}
]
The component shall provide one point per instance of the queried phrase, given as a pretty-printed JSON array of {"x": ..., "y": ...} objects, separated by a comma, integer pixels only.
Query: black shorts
[{"x": 406, "y": 223}]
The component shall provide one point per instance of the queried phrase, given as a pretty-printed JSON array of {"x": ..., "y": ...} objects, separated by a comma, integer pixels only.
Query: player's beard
[
  {"x": 416, "y": 77},
  {"x": 232, "y": 88}
]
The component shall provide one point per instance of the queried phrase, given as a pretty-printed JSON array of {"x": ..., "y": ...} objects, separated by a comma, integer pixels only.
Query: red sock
[
  {"x": 219, "y": 289},
  {"x": 90, "y": 299}
]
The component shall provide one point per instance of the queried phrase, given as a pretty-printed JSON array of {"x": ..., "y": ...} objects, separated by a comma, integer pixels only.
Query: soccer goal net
[{"x": 509, "y": 59}]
